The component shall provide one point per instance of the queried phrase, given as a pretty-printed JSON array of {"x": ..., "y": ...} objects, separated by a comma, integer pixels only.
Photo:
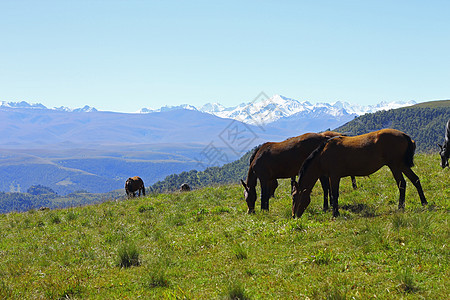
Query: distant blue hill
[{"x": 96, "y": 151}]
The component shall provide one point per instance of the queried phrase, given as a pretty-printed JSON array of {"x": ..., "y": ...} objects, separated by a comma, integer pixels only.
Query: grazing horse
[
  {"x": 359, "y": 156},
  {"x": 281, "y": 160},
  {"x": 134, "y": 184},
  {"x": 185, "y": 187},
  {"x": 445, "y": 149}
]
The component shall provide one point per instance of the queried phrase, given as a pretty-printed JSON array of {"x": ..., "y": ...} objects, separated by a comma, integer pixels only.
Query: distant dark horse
[
  {"x": 445, "y": 149},
  {"x": 134, "y": 184},
  {"x": 358, "y": 156},
  {"x": 185, "y": 187},
  {"x": 281, "y": 160}
]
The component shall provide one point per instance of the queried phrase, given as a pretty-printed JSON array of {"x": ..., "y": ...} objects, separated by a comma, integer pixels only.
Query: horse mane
[
  {"x": 311, "y": 157},
  {"x": 254, "y": 153},
  {"x": 447, "y": 132}
]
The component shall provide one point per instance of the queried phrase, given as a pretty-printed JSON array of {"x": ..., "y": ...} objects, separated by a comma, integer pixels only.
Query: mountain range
[
  {"x": 265, "y": 110},
  {"x": 86, "y": 149}
]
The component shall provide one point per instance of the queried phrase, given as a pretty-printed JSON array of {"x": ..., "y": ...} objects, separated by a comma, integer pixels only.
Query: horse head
[
  {"x": 445, "y": 154},
  {"x": 445, "y": 150},
  {"x": 250, "y": 197},
  {"x": 300, "y": 199}
]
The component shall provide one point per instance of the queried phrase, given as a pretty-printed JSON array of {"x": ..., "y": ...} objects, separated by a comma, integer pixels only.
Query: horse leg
[
  {"x": 265, "y": 195},
  {"x": 273, "y": 187},
  {"x": 401, "y": 184},
  {"x": 354, "y": 182},
  {"x": 416, "y": 181},
  {"x": 326, "y": 189},
  {"x": 334, "y": 184}
]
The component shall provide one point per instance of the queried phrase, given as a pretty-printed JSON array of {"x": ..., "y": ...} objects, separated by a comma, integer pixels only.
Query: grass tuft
[
  {"x": 236, "y": 292},
  {"x": 143, "y": 208},
  {"x": 54, "y": 219},
  {"x": 156, "y": 278},
  {"x": 407, "y": 282},
  {"x": 240, "y": 252},
  {"x": 128, "y": 255}
]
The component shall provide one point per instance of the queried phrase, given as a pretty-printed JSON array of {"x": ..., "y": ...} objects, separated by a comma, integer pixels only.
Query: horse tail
[
  {"x": 310, "y": 158},
  {"x": 143, "y": 188},
  {"x": 409, "y": 154}
]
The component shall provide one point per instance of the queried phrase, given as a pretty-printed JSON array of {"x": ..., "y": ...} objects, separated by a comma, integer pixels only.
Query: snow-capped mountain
[
  {"x": 265, "y": 111},
  {"x": 24, "y": 104},
  {"x": 270, "y": 110},
  {"x": 21, "y": 104},
  {"x": 86, "y": 108},
  {"x": 168, "y": 108}
]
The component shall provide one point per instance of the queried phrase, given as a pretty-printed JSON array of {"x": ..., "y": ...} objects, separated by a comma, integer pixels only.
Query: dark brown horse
[
  {"x": 445, "y": 149},
  {"x": 271, "y": 161},
  {"x": 185, "y": 187},
  {"x": 358, "y": 156},
  {"x": 134, "y": 184}
]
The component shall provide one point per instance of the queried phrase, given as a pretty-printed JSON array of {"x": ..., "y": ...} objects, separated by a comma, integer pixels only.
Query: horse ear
[
  {"x": 245, "y": 186},
  {"x": 440, "y": 146},
  {"x": 294, "y": 185}
]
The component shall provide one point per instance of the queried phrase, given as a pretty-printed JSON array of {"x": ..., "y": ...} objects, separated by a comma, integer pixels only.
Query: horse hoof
[{"x": 250, "y": 211}]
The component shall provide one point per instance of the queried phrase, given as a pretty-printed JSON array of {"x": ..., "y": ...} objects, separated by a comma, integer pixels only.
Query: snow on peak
[
  {"x": 86, "y": 108},
  {"x": 22, "y": 104},
  {"x": 168, "y": 108}
]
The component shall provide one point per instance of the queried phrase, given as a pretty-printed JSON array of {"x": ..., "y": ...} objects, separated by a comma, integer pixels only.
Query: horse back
[
  {"x": 364, "y": 154},
  {"x": 284, "y": 159}
]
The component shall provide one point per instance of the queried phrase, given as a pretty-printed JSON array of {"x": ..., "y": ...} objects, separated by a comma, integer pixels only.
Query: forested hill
[
  {"x": 228, "y": 173},
  {"x": 424, "y": 122}
]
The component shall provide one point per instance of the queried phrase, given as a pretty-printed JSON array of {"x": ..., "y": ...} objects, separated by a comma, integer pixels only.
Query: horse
[
  {"x": 273, "y": 160},
  {"x": 185, "y": 187},
  {"x": 358, "y": 156},
  {"x": 134, "y": 184},
  {"x": 445, "y": 149}
]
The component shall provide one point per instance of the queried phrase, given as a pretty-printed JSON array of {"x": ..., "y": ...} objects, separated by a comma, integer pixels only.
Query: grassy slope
[
  {"x": 202, "y": 245},
  {"x": 433, "y": 104}
]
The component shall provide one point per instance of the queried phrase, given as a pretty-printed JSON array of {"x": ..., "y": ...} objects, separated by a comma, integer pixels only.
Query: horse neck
[
  {"x": 310, "y": 176},
  {"x": 251, "y": 178}
]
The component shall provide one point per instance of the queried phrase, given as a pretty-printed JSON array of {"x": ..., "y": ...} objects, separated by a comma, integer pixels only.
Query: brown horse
[
  {"x": 445, "y": 149},
  {"x": 134, "y": 184},
  {"x": 359, "y": 156},
  {"x": 281, "y": 160}
]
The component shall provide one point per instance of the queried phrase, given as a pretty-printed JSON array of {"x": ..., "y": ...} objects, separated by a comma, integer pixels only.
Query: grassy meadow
[{"x": 203, "y": 245}]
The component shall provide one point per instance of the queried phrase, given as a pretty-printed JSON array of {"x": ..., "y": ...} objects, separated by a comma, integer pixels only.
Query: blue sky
[{"x": 125, "y": 55}]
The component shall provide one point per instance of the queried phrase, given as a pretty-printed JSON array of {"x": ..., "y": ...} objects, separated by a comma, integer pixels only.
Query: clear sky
[{"x": 126, "y": 55}]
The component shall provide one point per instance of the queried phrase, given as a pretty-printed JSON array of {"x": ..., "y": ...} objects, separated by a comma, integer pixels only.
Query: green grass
[{"x": 203, "y": 245}]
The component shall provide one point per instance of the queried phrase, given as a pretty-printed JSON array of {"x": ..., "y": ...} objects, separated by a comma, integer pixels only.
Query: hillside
[
  {"x": 433, "y": 104},
  {"x": 424, "y": 122},
  {"x": 212, "y": 176},
  {"x": 203, "y": 245}
]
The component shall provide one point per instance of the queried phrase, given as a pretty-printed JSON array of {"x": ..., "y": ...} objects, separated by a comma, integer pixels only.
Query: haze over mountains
[{"x": 86, "y": 149}]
